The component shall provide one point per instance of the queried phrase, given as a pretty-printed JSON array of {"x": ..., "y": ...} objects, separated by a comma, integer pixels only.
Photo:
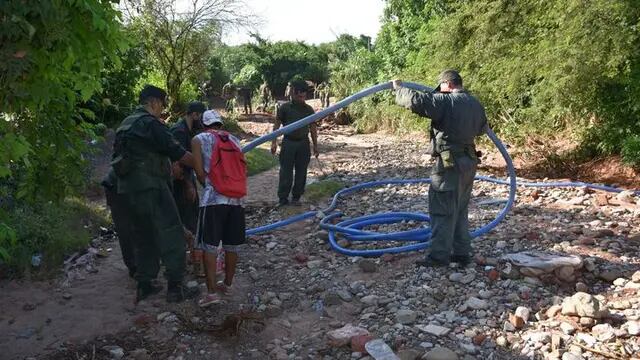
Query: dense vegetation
[{"x": 71, "y": 68}]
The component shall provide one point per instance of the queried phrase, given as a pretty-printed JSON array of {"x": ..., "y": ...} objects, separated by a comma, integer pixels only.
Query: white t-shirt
[{"x": 209, "y": 195}]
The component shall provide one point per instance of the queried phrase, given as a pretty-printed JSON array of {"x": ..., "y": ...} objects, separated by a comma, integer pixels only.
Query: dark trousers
[
  {"x": 158, "y": 234},
  {"x": 121, "y": 216},
  {"x": 294, "y": 155},
  {"x": 187, "y": 209},
  {"x": 247, "y": 105},
  {"x": 449, "y": 196}
]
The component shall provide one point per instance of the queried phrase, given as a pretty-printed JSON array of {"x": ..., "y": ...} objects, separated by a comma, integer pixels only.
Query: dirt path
[{"x": 37, "y": 317}]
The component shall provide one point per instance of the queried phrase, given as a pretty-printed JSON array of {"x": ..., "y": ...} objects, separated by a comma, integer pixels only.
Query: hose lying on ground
[{"x": 351, "y": 229}]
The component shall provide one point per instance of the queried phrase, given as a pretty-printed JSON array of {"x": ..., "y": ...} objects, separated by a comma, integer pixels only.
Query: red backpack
[{"x": 227, "y": 168}]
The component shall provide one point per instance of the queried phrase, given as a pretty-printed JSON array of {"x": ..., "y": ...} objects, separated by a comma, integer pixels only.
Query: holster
[
  {"x": 447, "y": 158},
  {"x": 121, "y": 165}
]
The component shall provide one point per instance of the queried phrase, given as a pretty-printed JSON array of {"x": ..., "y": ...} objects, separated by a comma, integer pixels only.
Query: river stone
[
  {"x": 583, "y": 304},
  {"x": 440, "y": 353}
]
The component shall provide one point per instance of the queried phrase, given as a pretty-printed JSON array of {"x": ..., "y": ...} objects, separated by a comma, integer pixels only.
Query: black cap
[
  {"x": 196, "y": 107},
  {"x": 152, "y": 92},
  {"x": 450, "y": 75}
]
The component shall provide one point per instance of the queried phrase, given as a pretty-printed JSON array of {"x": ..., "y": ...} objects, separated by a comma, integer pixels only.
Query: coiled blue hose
[{"x": 350, "y": 229}]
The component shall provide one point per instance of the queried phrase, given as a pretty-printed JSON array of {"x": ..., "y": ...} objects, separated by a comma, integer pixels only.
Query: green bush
[
  {"x": 386, "y": 116},
  {"x": 248, "y": 76},
  {"x": 50, "y": 229},
  {"x": 631, "y": 151},
  {"x": 8, "y": 241}
]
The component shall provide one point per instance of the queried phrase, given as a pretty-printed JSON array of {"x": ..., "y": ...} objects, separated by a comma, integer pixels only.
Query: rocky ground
[{"x": 576, "y": 295}]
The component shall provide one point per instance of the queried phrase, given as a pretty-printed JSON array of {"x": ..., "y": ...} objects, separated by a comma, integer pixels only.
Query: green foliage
[
  {"x": 397, "y": 38},
  {"x": 180, "y": 37},
  {"x": 631, "y": 150},
  {"x": 51, "y": 58},
  {"x": 322, "y": 189},
  {"x": 53, "y": 49},
  {"x": 280, "y": 61},
  {"x": 8, "y": 241},
  {"x": 119, "y": 94},
  {"x": 52, "y": 55},
  {"x": 535, "y": 65},
  {"x": 54, "y": 230},
  {"x": 277, "y": 62},
  {"x": 385, "y": 116},
  {"x": 259, "y": 160},
  {"x": 248, "y": 76},
  {"x": 355, "y": 73},
  {"x": 231, "y": 60},
  {"x": 217, "y": 74}
]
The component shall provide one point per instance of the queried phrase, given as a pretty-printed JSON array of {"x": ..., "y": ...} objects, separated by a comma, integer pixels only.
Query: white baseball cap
[{"x": 211, "y": 117}]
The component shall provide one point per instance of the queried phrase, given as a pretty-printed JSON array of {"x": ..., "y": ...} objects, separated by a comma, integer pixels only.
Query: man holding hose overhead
[{"x": 456, "y": 119}]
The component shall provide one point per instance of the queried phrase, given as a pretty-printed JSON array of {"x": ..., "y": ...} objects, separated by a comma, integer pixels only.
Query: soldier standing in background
[
  {"x": 265, "y": 95},
  {"x": 295, "y": 153}
]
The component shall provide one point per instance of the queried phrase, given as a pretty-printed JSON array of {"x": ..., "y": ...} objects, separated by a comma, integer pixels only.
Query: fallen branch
[
  {"x": 229, "y": 327},
  {"x": 599, "y": 352}
]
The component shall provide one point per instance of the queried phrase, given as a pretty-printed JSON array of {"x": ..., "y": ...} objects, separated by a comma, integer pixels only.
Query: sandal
[
  {"x": 209, "y": 299},
  {"x": 225, "y": 289}
]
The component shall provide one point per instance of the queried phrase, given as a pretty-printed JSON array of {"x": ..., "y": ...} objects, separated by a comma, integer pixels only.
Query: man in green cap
[
  {"x": 296, "y": 152},
  {"x": 184, "y": 182},
  {"x": 457, "y": 118},
  {"x": 143, "y": 151}
]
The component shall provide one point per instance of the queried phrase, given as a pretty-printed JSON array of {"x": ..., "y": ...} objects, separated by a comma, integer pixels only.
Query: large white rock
[{"x": 583, "y": 304}]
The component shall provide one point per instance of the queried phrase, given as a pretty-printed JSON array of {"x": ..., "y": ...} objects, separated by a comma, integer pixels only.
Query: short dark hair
[
  {"x": 150, "y": 92},
  {"x": 195, "y": 107},
  {"x": 451, "y": 76},
  {"x": 299, "y": 86}
]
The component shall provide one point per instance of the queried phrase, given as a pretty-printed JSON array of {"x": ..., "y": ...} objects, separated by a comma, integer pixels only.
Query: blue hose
[{"x": 350, "y": 229}]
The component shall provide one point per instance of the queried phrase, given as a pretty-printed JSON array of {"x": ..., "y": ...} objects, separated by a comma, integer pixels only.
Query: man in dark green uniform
[
  {"x": 143, "y": 151},
  {"x": 184, "y": 182},
  {"x": 456, "y": 119},
  {"x": 295, "y": 152},
  {"x": 122, "y": 222}
]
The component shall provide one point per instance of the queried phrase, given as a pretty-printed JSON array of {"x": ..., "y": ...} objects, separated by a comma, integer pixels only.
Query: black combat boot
[
  {"x": 146, "y": 289},
  {"x": 177, "y": 292},
  {"x": 429, "y": 262},
  {"x": 462, "y": 260}
]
